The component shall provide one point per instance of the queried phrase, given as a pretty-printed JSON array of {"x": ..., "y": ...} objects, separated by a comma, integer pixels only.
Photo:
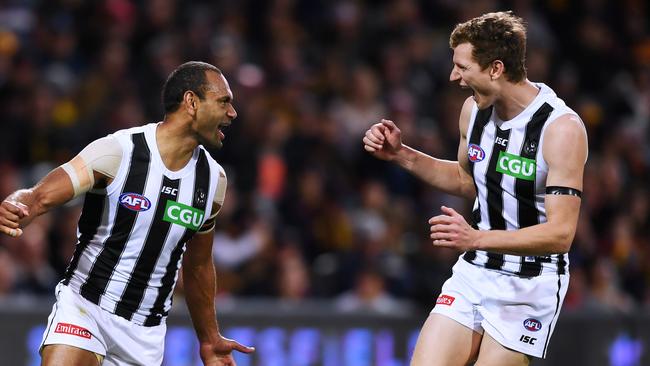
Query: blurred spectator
[
  {"x": 369, "y": 294},
  {"x": 292, "y": 280}
]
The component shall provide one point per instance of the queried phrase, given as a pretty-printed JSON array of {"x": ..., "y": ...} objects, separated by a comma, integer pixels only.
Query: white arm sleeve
[
  {"x": 219, "y": 197},
  {"x": 220, "y": 194},
  {"x": 102, "y": 156}
]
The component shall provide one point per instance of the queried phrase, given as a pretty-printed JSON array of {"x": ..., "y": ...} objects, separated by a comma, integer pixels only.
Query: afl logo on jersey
[
  {"x": 532, "y": 324},
  {"x": 135, "y": 202},
  {"x": 475, "y": 153}
]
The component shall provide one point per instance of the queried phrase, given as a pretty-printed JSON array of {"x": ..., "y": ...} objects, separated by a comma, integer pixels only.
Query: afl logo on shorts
[
  {"x": 532, "y": 325},
  {"x": 135, "y": 202},
  {"x": 475, "y": 153}
]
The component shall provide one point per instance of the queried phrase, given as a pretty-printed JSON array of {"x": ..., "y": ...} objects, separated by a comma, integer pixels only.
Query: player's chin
[{"x": 213, "y": 142}]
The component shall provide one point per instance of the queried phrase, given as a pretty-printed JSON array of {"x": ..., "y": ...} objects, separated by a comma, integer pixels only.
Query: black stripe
[
  {"x": 91, "y": 218},
  {"x": 561, "y": 264},
  {"x": 480, "y": 121},
  {"x": 495, "y": 194},
  {"x": 525, "y": 189},
  {"x": 476, "y": 217},
  {"x": 108, "y": 258},
  {"x": 528, "y": 215},
  {"x": 201, "y": 184},
  {"x": 153, "y": 246},
  {"x": 557, "y": 309},
  {"x": 470, "y": 256},
  {"x": 532, "y": 268}
]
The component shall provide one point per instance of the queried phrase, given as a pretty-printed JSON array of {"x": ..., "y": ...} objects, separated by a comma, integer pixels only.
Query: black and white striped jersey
[
  {"x": 509, "y": 172},
  {"x": 132, "y": 235}
]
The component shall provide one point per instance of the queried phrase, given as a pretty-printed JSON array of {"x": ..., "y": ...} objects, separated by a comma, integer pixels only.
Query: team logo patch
[
  {"x": 183, "y": 215},
  {"x": 532, "y": 324},
  {"x": 530, "y": 147},
  {"x": 135, "y": 202},
  {"x": 72, "y": 329},
  {"x": 445, "y": 300},
  {"x": 516, "y": 166},
  {"x": 199, "y": 197},
  {"x": 475, "y": 153}
]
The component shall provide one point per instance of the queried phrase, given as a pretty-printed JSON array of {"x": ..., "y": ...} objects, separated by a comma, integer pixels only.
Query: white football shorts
[
  {"x": 78, "y": 322},
  {"x": 519, "y": 313}
]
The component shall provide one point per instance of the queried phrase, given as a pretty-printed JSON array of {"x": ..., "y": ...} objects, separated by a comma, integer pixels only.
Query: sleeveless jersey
[
  {"x": 509, "y": 171},
  {"x": 132, "y": 234}
]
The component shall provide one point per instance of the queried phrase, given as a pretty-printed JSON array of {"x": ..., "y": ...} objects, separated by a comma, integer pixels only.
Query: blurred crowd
[{"x": 308, "y": 213}]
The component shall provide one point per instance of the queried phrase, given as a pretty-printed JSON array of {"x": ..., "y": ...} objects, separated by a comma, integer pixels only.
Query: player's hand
[
  {"x": 10, "y": 215},
  {"x": 383, "y": 140},
  {"x": 219, "y": 353},
  {"x": 451, "y": 230}
]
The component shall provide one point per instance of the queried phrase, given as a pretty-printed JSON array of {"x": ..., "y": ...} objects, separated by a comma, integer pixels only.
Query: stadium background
[{"x": 311, "y": 222}]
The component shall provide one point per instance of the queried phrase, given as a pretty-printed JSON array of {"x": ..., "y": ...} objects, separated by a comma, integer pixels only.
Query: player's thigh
[
  {"x": 64, "y": 355},
  {"x": 494, "y": 354},
  {"x": 445, "y": 342}
]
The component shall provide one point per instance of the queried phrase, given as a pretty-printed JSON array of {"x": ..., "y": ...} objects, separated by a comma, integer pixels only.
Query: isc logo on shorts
[
  {"x": 72, "y": 329},
  {"x": 445, "y": 300}
]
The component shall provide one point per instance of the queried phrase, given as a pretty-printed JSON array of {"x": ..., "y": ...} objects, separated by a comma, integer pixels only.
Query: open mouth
[{"x": 220, "y": 130}]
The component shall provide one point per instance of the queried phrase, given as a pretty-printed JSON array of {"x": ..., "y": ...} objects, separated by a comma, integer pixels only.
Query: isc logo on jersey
[
  {"x": 135, "y": 202},
  {"x": 183, "y": 215},
  {"x": 516, "y": 166},
  {"x": 475, "y": 153}
]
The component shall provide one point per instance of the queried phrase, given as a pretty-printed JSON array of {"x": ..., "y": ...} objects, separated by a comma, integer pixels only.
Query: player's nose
[
  {"x": 454, "y": 75},
  {"x": 232, "y": 113}
]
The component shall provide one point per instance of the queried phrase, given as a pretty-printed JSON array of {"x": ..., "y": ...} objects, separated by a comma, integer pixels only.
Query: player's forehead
[
  {"x": 463, "y": 53},
  {"x": 217, "y": 83}
]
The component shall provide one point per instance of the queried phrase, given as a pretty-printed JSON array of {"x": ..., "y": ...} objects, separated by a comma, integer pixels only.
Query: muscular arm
[
  {"x": 565, "y": 151},
  {"x": 200, "y": 279},
  {"x": 53, "y": 190},
  {"x": 93, "y": 167},
  {"x": 452, "y": 177}
]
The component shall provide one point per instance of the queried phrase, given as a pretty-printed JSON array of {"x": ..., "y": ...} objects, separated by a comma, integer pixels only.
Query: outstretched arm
[
  {"x": 383, "y": 140},
  {"x": 199, "y": 278},
  {"x": 20, "y": 207},
  {"x": 565, "y": 151},
  {"x": 95, "y": 166}
]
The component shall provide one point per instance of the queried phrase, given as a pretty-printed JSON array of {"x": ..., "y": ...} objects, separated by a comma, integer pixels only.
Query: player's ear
[
  {"x": 497, "y": 68},
  {"x": 190, "y": 102}
]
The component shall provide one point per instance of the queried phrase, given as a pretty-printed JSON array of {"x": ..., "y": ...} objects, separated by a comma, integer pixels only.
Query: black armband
[{"x": 557, "y": 190}]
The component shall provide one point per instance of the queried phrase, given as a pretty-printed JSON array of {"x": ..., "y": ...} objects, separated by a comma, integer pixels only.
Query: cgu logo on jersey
[
  {"x": 516, "y": 166},
  {"x": 183, "y": 215},
  {"x": 135, "y": 202},
  {"x": 475, "y": 153},
  {"x": 532, "y": 324}
]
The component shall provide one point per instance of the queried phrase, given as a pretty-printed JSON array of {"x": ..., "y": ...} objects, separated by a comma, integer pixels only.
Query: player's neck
[
  {"x": 176, "y": 143},
  {"x": 514, "y": 98}
]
